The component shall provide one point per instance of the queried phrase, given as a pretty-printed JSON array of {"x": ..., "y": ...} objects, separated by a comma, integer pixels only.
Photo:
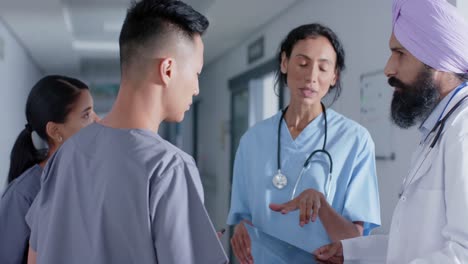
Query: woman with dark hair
[
  {"x": 320, "y": 161},
  {"x": 57, "y": 107}
]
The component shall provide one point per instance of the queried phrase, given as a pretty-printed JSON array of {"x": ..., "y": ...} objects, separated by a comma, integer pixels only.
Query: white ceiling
[{"x": 80, "y": 37}]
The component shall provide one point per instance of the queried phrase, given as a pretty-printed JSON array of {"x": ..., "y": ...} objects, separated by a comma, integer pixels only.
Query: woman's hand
[
  {"x": 308, "y": 202},
  {"x": 240, "y": 242},
  {"x": 330, "y": 254}
]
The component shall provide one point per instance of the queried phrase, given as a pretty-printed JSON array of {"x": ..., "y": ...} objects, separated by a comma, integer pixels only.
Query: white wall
[
  {"x": 462, "y": 5},
  {"x": 17, "y": 74},
  {"x": 364, "y": 27}
]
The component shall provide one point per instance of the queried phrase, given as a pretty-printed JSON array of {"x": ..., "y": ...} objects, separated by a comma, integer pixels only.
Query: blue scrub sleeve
[
  {"x": 239, "y": 209},
  {"x": 362, "y": 198}
]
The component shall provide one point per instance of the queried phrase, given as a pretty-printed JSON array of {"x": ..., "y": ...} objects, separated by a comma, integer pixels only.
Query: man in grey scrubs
[{"x": 117, "y": 192}]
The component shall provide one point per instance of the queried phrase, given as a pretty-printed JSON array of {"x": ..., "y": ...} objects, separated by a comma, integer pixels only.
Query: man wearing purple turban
[{"x": 428, "y": 69}]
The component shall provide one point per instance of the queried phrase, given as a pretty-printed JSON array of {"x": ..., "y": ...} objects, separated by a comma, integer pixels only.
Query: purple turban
[{"x": 434, "y": 32}]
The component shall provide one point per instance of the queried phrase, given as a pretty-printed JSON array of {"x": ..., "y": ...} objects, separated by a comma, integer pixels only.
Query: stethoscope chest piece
[{"x": 279, "y": 180}]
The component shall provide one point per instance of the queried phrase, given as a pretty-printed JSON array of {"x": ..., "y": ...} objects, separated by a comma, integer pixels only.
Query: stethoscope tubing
[
  {"x": 441, "y": 123},
  {"x": 306, "y": 163}
]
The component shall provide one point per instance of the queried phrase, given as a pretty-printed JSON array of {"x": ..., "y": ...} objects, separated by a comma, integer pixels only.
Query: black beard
[{"x": 414, "y": 102}]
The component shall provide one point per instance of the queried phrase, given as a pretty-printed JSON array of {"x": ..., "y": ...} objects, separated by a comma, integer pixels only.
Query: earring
[{"x": 60, "y": 139}]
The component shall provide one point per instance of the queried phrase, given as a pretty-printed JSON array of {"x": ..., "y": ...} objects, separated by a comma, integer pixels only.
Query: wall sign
[{"x": 256, "y": 50}]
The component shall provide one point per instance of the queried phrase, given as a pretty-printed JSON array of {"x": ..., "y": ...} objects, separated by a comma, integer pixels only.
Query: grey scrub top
[
  {"x": 14, "y": 204},
  {"x": 121, "y": 196}
]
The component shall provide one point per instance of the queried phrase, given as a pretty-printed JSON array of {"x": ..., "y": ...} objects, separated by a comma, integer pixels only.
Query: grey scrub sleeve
[
  {"x": 181, "y": 228},
  {"x": 14, "y": 204}
]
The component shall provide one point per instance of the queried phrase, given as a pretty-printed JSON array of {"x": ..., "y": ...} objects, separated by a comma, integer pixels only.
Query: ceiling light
[{"x": 106, "y": 46}]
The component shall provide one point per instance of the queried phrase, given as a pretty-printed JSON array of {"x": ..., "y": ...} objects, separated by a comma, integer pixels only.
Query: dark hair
[
  {"x": 151, "y": 21},
  {"x": 312, "y": 31},
  {"x": 50, "y": 100}
]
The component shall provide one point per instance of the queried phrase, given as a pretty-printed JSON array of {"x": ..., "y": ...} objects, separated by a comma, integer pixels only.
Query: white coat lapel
[
  {"x": 426, "y": 154},
  {"x": 422, "y": 164}
]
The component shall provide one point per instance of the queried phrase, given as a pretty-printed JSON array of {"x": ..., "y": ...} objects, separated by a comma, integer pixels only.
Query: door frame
[{"x": 236, "y": 85}]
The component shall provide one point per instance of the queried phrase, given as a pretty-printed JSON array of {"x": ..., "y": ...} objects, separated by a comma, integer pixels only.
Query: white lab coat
[{"x": 430, "y": 221}]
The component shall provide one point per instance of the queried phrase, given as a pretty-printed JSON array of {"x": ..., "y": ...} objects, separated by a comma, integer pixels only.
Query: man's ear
[{"x": 166, "y": 70}]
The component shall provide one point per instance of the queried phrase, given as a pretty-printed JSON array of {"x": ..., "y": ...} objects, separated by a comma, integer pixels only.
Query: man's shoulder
[
  {"x": 178, "y": 153},
  {"x": 134, "y": 151},
  {"x": 170, "y": 158}
]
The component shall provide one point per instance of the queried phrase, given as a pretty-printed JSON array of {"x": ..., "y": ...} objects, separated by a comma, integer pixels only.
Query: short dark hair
[
  {"x": 50, "y": 100},
  {"x": 150, "y": 21},
  {"x": 312, "y": 31}
]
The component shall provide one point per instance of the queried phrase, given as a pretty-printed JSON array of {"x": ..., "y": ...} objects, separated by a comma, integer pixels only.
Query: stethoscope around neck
[
  {"x": 280, "y": 180},
  {"x": 439, "y": 126}
]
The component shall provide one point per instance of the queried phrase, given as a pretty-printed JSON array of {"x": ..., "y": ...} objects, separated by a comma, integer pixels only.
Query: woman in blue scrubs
[
  {"x": 336, "y": 196},
  {"x": 57, "y": 107}
]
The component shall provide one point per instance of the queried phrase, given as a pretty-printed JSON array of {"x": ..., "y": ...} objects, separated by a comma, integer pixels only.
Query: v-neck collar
[{"x": 313, "y": 127}]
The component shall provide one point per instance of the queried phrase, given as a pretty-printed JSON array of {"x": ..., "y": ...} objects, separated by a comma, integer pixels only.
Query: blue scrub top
[
  {"x": 14, "y": 204},
  {"x": 354, "y": 191}
]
